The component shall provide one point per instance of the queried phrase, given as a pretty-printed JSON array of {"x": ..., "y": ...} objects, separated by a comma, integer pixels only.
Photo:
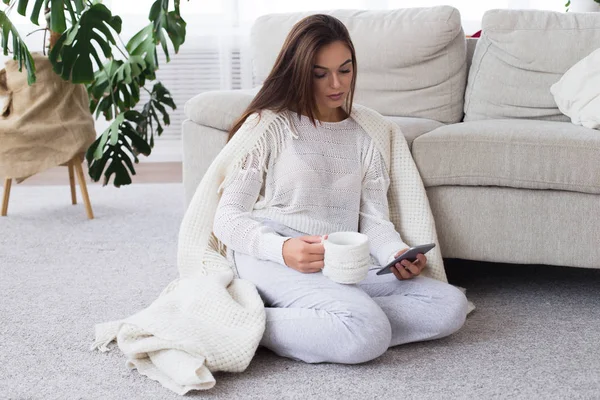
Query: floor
[{"x": 534, "y": 334}]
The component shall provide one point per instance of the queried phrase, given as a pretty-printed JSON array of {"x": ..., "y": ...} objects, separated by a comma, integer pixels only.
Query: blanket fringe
[
  {"x": 101, "y": 345},
  {"x": 105, "y": 333},
  {"x": 270, "y": 143}
]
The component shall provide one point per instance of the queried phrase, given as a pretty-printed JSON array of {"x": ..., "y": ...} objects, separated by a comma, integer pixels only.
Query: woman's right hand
[{"x": 304, "y": 254}]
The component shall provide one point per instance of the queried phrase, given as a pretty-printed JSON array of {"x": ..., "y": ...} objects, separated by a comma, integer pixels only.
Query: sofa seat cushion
[
  {"x": 412, "y": 128},
  {"x": 511, "y": 153}
]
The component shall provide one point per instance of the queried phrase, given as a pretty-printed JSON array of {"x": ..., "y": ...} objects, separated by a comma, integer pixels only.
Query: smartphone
[{"x": 410, "y": 255}]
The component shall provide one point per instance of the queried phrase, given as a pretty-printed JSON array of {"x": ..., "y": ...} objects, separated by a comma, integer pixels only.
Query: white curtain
[{"x": 215, "y": 55}]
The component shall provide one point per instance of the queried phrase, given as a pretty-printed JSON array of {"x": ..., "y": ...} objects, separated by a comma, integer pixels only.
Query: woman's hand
[
  {"x": 304, "y": 254},
  {"x": 406, "y": 269}
]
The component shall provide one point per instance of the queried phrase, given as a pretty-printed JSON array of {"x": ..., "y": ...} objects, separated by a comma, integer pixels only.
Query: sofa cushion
[
  {"x": 520, "y": 54},
  {"x": 218, "y": 109},
  {"x": 411, "y": 62},
  {"x": 577, "y": 93},
  {"x": 412, "y": 128},
  {"x": 511, "y": 153}
]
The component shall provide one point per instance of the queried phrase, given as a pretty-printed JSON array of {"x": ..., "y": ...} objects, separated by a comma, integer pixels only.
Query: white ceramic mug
[{"x": 347, "y": 257}]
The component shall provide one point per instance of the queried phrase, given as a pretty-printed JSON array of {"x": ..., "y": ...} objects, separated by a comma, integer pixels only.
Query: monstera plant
[{"x": 85, "y": 48}]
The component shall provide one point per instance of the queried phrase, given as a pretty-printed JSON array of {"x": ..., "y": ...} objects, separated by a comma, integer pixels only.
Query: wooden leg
[
  {"x": 84, "y": 192},
  {"x": 7, "y": 185},
  {"x": 72, "y": 183}
]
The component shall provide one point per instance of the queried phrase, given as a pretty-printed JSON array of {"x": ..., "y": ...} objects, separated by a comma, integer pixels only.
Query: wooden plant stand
[{"x": 74, "y": 166}]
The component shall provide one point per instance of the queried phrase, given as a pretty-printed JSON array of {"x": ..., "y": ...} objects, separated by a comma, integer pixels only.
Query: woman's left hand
[{"x": 406, "y": 269}]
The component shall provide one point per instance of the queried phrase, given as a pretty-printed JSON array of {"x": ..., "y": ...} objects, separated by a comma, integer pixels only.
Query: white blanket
[
  {"x": 577, "y": 93},
  {"x": 208, "y": 320}
]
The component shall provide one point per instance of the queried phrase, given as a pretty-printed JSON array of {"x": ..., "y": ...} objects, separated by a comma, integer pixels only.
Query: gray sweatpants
[{"x": 313, "y": 319}]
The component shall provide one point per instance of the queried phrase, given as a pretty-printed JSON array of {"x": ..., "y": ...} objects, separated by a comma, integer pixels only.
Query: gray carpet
[{"x": 535, "y": 333}]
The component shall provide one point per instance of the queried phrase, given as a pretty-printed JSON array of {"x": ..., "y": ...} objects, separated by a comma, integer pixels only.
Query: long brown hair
[{"x": 289, "y": 85}]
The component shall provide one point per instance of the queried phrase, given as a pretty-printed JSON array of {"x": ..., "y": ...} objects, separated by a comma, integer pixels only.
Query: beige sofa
[{"x": 509, "y": 178}]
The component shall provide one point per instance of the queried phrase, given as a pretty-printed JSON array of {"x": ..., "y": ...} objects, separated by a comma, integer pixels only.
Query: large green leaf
[
  {"x": 124, "y": 78},
  {"x": 153, "y": 112},
  {"x": 115, "y": 152},
  {"x": 176, "y": 29},
  {"x": 79, "y": 5},
  {"x": 57, "y": 12},
  {"x": 35, "y": 13},
  {"x": 73, "y": 53},
  {"x": 57, "y": 16},
  {"x": 132, "y": 132},
  {"x": 19, "y": 48},
  {"x": 142, "y": 44},
  {"x": 162, "y": 20},
  {"x": 169, "y": 21},
  {"x": 57, "y": 8},
  {"x": 75, "y": 9}
]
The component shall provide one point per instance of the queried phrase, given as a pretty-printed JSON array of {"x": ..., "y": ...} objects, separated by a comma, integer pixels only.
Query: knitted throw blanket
[{"x": 207, "y": 320}]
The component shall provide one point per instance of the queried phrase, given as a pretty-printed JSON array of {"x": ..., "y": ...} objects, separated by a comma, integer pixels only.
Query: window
[{"x": 216, "y": 54}]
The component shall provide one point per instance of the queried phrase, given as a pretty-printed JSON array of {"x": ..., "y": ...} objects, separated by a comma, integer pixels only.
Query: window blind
[{"x": 194, "y": 70}]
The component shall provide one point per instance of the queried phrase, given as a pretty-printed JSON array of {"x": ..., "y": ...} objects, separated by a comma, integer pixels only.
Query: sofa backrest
[
  {"x": 471, "y": 45},
  {"x": 411, "y": 62},
  {"x": 520, "y": 54}
]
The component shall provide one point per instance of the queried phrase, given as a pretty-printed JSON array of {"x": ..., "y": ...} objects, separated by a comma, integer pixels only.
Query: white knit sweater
[
  {"x": 208, "y": 321},
  {"x": 327, "y": 178}
]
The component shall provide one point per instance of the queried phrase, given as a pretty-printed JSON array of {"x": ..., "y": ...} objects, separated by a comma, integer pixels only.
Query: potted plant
[
  {"x": 583, "y": 5},
  {"x": 114, "y": 76}
]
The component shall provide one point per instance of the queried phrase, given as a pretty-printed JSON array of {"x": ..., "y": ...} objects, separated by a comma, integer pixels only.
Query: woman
[{"x": 325, "y": 176}]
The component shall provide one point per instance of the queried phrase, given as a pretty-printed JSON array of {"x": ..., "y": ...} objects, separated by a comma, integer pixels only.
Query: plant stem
[
  {"x": 71, "y": 12},
  {"x": 110, "y": 88},
  {"x": 10, "y": 7},
  {"x": 54, "y": 36},
  {"x": 37, "y": 30},
  {"x": 121, "y": 51},
  {"x": 44, "y": 44}
]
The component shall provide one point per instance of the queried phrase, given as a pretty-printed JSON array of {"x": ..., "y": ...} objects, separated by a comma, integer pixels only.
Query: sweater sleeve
[
  {"x": 384, "y": 241},
  {"x": 233, "y": 223}
]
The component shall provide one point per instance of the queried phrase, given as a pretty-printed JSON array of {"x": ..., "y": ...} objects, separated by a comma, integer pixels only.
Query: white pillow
[{"x": 577, "y": 93}]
